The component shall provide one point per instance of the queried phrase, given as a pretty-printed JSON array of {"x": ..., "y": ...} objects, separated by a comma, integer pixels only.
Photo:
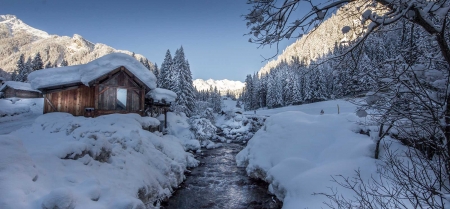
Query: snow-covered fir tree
[
  {"x": 37, "y": 62},
  {"x": 166, "y": 70},
  {"x": 176, "y": 76},
  {"x": 157, "y": 74},
  {"x": 64, "y": 63},
  {"x": 20, "y": 73}
]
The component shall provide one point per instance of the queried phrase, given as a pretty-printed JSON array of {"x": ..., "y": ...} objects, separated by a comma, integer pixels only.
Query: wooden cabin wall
[
  {"x": 71, "y": 101},
  {"x": 10, "y": 92},
  {"x": 108, "y": 93}
]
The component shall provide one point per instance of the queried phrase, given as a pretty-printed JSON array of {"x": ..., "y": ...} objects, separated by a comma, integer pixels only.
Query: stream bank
[{"x": 218, "y": 183}]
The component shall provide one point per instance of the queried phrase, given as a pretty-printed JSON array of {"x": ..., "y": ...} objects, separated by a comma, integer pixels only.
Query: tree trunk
[{"x": 377, "y": 148}]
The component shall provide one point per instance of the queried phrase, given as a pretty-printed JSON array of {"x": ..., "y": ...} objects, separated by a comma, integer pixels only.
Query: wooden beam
[
  {"x": 50, "y": 103},
  {"x": 96, "y": 95},
  {"x": 142, "y": 102},
  {"x": 165, "y": 118},
  {"x": 60, "y": 88},
  {"x": 103, "y": 91}
]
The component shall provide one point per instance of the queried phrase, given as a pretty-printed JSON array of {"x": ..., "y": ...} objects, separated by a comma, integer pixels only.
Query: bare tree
[{"x": 410, "y": 102}]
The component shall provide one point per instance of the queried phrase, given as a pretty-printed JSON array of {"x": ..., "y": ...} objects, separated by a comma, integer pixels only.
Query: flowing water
[{"x": 218, "y": 183}]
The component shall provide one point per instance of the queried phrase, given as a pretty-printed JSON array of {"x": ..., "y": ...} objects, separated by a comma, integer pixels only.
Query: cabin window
[{"x": 121, "y": 99}]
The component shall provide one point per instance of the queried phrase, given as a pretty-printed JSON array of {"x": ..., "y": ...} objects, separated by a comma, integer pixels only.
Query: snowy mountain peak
[
  {"x": 7, "y": 17},
  {"x": 222, "y": 85},
  {"x": 15, "y": 26},
  {"x": 54, "y": 49}
]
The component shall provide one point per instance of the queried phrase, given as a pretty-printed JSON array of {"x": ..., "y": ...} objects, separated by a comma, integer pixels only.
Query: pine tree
[
  {"x": 166, "y": 69},
  {"x": 21, "y": 69},
  {"x": 248, "y": 98},
  {"x": 183, "y": 83},
  {"x": 14, "y": 76},
  {"x": 238, "y": 104},
  {"x": 256, "y": 103},
  {"x": 145, "y": 63},
  {"x": 37, "y": 62},
  {"x": 157, "y": 74},
  {"x": 64, "y": 63},
  {"x": 28, "y": 69},
  {"x": 270, "y": 97},
  {"x": 48, "y": 65}
]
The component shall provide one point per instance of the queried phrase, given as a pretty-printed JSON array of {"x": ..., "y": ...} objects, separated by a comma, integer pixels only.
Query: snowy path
[
  {"x": 219, "y": 183},
  {"x": 17, "y": 119},
  {"x": 20, "y": 122}
]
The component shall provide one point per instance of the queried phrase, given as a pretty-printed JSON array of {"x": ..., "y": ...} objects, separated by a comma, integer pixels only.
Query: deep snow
[
  {"x": 88, "y": 72},
  {"x": 75, "y": 162},
  {"x": 16, "y": 113},
  {"x": 298, "y": 150}
]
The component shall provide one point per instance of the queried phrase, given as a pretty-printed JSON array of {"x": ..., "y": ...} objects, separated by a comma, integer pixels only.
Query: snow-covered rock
[{"x": 64, "y": 161}]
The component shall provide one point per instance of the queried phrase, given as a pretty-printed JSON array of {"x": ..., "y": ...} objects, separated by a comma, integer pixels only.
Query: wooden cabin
[
  {"x": 119, "y": 91},
  {"x": 18, "y": 89},
  {"x": 114, "y": 83}
]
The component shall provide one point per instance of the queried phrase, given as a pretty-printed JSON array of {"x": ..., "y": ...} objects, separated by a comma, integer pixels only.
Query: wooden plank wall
[
  {"x": 9, "y": 92},
  {"x": 102, "y": 97},
  {"x": 71, "y": 101},
  {"x": 108, "y": 89}
]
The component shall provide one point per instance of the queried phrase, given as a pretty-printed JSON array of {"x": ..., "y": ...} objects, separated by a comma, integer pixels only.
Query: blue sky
[{"x": 211, "y": 31}]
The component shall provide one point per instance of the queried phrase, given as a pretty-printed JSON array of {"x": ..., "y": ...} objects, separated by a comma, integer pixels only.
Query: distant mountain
[
  {"x": 17, "y": 38},
  {"x": 222, "y": 85},
  {"x": 322, "y": 41}
]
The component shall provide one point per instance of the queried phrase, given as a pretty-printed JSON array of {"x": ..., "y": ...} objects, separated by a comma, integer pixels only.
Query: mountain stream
[{"x": 218, "y": 183}]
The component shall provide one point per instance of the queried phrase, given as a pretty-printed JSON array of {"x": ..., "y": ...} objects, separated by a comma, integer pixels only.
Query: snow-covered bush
[
  {"x": 76, "y": 162},
  {"x": 179, "y": 126},
  {"x": 239, "y": 127},
  {"x": 208, "y": 113},
  {"x": 203, "y": 129}
]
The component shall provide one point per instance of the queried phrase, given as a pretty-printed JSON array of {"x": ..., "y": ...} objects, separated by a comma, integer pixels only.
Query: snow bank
[
  {"x": 64, "y": 161},
  {"x": 17, "y": 85},
  {"x": 297, "y": 153},
  {"x": 160, "y": 94},
  {"x": 88, "y": 72},
  {"x": 14, "y": 108},
  {"x": 178, "y": 125},
  {"x": 8, "y": 108}
]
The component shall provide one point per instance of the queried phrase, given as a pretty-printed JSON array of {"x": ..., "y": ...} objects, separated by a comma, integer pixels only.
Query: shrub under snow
[{"x": 64, "y": 161}]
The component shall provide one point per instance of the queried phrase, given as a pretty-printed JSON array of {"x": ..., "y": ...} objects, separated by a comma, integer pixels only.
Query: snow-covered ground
[
  {"x": 16, "y": 113},
  {"x": 329, "y": 107},
  {"x": 298, "y": 150},
  {"x": 57, "y": 160},
  {"x": 179, "y": 126},
  {"x": 63, "y": 161}
]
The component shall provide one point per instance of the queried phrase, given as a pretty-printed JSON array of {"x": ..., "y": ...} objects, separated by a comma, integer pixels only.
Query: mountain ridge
[
  {"x": 222, "y": 85},
  {"x": 16, "y": 38}
]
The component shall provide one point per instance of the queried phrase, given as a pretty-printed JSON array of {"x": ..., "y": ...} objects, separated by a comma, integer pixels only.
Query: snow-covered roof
[
  {"x": 159, "y": 94},
  {"x": 17, "y": 85},
  {"x": 86, "y": 73}
]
